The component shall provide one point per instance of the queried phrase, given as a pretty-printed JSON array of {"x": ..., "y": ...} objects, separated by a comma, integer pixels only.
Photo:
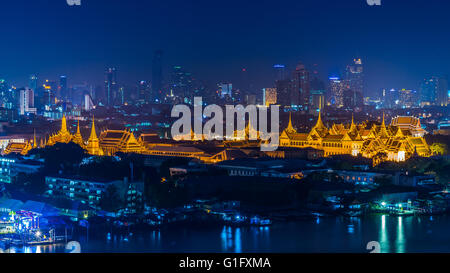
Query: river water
[{"x": 324, "y": 235}]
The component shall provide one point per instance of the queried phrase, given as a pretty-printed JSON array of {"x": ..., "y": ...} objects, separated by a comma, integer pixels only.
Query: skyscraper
[
  {"x": 301, "y": 86},
  {"x": 280, "y": 72},
  {"x": 269, "y": 96},
  {"x": 144, "y": 92},
  {"x": 284, "y": 91},
  {"x": 33, "y": 82},
  {"x": 110, "y": 86},
  {"x": 434, "y": 91},
  {"x": 442, "y": 94},
  {"x": 62, "y": 90},
  {"x": 157, "y": 76},
  {"x": 26, "y": 101},
  {"x": 355, "y": 76},
  {"x": 336, "y": 92},
  {"x": 181, "y": 84}
]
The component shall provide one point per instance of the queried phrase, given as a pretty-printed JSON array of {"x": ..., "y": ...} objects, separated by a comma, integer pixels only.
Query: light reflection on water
[{"x": 326, "y": 235}]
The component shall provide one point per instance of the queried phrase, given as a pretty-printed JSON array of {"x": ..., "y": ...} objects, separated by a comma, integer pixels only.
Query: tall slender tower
[
  {"x": 110, "y": 86},
  {"x": 157, "y": 75},
  {"x": 93, "y": 146}
]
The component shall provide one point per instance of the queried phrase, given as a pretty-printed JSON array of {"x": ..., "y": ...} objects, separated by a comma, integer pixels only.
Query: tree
[
  {"x": 111, "y": 200},
  {"x": 439, "y": 149},
  {"x": 61, "y": 156}
]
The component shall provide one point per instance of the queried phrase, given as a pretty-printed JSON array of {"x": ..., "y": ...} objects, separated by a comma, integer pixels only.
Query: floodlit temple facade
[
  {"x": 396, "y": 142},
  {"x": 399, "y": 141}
]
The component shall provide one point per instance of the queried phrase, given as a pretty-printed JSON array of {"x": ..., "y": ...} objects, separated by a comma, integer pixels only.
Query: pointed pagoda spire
[
  {"x": 93, "y": 136},
  {"x": 34, "y": 140},
  {"x": 353, "y": 125},
  {"x": 64, "y": 124},
  {"x": 290, "y": 128},
  {"x": 78, "y": 138},
  {"x": 320, "y": 124},
  {"x": 384, "y": 132}
]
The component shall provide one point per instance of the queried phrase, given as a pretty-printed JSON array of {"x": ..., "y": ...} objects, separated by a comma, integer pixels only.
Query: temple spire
[
  {"x": 290, "y": 127},
  {"x": 319, "y": 121},
  {"x": 64, "y": 124},
  {"x": 93, "y": 132},
  {"x": 34, "y": 140}
]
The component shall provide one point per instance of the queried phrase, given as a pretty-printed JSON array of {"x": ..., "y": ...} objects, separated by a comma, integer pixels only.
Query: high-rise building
[
  {"x": 110, "y": 86},
  {"x": 62, "y": 90},
  {"x": 225, "y": 89},
  {"x": 50, "y": 89},
  {"x": 284, "y": 93},
  {"x": 26, "y": 101},
  {"x": 355, "y": 76},
  {"x": 442, "y": 92},
  {"x": 353, "y": 99},
  {"x": 301, "y": 86},
  {"x": 157, "y": 76},
  {"x": 408, "y": 98},
  {"x": 144, "y": 92},
  {"x": 181, "y": 85},
  {"x": 33, "y": 82},
  {"x": 317, "y": 93},
  {"x": 269, "y": 96},
  {"x": 280, "y": 72},
  {"x": 336, "y": 92}
]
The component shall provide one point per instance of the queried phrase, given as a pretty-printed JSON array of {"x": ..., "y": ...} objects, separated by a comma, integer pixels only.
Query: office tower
[
  {"x": 355, "y": 76},
  {"x": 269, "y": 96},
  {"x": 88, "y": 103},
  {"x": 245, "y": 86},
  {"x": 301, "y": 87},
  {"x": 110, "y": 86},
  {"x": 284, "y": 91},
  {"x": 317, "y": 93},
  {"x": 7, "y": 95},
  {"x": 181, "y": 84},
  {"x": 225, "y": 89},
  {"x": 121, "y": 96},
  {"x": 428, "y": 91},
  {"x": 157, "y": 76},
  {"x": 50, "y": 89},
  {"x": 26, "y": 101},
  {"x": 336, "y": 92},
  {"x": 144, "y": 92},
  {"x": 62, "y": 90},
  {"x": 33, "y": 82},
  {"x": 408, "y": 98},
  {"x": 353, "y": 99},
  {"x": 442, "y": 92},
  {"x": 279, "y": 72}
]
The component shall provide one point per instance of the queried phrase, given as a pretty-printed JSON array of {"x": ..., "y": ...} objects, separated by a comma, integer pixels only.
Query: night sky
[{"x": 401, "y": 42}]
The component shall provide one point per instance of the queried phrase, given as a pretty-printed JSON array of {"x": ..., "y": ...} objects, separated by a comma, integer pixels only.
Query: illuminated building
[
  {"x": 110, "y": 85},
  {"x": 93, "y": 146},
  {"x": 157, "y": 76},
  {"x": 280, "y": 72},
  {"x": 63, "y": 136},
  {"x": 396, "y": 142},
  {"x": 269, "y": 96},
  {"x": 26, "y": 101},
  {"x": 355, "y": 76},
  {"x": 434, "y": 91},
  {"x": 336, "y": 90},
  {"x": 301, "y": 86},
  {"x": 408, "y": 98},
  {"x": 114, "y": 141}
]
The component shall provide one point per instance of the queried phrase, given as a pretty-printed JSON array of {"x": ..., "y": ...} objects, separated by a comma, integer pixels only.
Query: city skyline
[{"x": 217, "y": 52}]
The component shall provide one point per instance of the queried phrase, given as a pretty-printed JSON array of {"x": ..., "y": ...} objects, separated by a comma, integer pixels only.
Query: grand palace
[{"x": 400, "y": 140}]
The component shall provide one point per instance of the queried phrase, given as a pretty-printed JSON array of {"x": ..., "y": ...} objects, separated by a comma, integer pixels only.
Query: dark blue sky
[{"x": 400, "y": 42}]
